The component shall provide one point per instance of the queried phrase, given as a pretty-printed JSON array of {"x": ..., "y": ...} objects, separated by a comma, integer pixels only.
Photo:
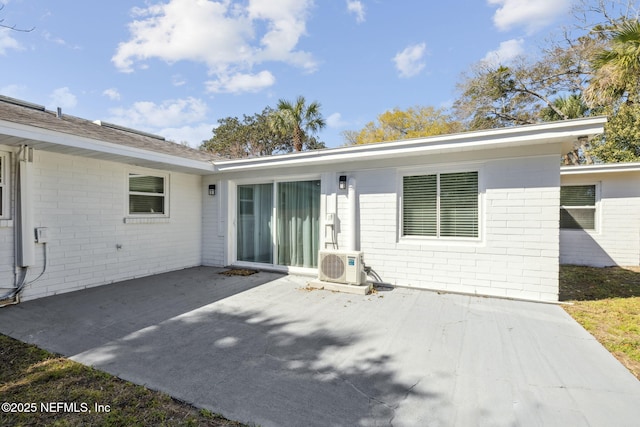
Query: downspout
[
  {"x": 23, "y": 248},
  {"x": 352, "y": 196},
  {"x": 26, "y": 250}
]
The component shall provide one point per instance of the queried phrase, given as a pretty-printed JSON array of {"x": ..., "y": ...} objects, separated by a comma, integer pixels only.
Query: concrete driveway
[{"x": 262, "y": 349}]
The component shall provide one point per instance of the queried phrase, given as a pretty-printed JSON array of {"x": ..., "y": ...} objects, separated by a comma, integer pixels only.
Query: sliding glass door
[
  {"x": 295, "y": 239},
  {"x": 255, "y": 210}
]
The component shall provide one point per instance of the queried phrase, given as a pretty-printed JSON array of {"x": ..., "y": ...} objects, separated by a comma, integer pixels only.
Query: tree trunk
[{"x": 297, "y": 139}]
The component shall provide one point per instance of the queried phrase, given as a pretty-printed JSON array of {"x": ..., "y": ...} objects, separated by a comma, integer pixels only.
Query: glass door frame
[{"x": 232, "y": 215}]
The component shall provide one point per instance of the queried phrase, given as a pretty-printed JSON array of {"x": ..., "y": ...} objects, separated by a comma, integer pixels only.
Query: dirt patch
[{"x": 238, "y": 272}]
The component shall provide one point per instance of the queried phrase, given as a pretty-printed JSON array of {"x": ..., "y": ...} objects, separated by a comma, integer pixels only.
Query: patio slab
[{"x": 266, "y": 349}]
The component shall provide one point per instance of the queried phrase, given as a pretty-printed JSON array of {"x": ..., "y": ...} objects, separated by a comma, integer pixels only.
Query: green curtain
[
  {"x": 254, "y": 214},
  {"x": 298, "y": 224}
]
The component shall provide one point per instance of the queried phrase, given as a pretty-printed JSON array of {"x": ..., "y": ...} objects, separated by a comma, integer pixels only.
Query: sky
[{"x": 175, "y": 67}]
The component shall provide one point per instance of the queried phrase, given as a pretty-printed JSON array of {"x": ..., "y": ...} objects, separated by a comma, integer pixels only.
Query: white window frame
[
  {"x": 232, "y": 253},
  {"x": 164, "y": 194},
  {"x": 439, "y": 171},
  {"x": 595, "y": 208},
  {"x": 5, "y": 211}
]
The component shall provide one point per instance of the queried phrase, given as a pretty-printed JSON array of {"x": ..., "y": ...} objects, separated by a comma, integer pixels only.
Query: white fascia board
[
  {"x": 42, "y": 135},
  {"x": 600, "y": 168},
  {"x": 553, "y": 132}
]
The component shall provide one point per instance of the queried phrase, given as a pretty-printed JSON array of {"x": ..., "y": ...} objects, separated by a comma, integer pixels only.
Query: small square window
[
  {"x": 147, "y": 194},
  {"x": 578, "y": 207}
]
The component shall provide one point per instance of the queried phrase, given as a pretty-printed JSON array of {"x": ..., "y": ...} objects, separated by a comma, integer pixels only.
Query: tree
[
  {"x": 297, "y": 120},
  {"x": 517, "y": 93},
  {"x": 621, "y": 139},
  {"x": 13, "y": 27},
  {"x": 251, "y": 137},
  {"x": 566, "y": 107},
  {"x": 595, "y": 72},
  {"x": 399, "y": 124},
  {"x": 616, "y": 75}
]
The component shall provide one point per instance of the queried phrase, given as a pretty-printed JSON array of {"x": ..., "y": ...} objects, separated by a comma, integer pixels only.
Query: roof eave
[
  {"x": 45, "y": 138},
  {"x": 553, "y": 132}
]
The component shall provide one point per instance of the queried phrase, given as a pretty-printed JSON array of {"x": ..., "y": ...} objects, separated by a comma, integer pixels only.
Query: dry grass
[
  {"x": 31, "y": 375},
  {"x": 606, "y": 302}
]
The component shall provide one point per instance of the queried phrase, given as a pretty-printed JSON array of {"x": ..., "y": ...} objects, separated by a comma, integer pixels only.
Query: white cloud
[
  {"x": 335, "y": 121},
  {"x": 241, "y": 83},
  {"x": 7, "y": 42},
  {"x": 192, "y": 135},
  {"x": 146, "y": 114},
  {"x": 357, "y": 8},
  {"x": 112, "y": 94},
  {"x": 178, "y": 80},
  {"x": 229, "y": 37},
  {"x": 410, "y": 62},
  {"x": 531, "y": 14},
  {"x": 63, "y": 98},
  {"x": 13, "y": 91},
  {"x": 507, "y": 51}
]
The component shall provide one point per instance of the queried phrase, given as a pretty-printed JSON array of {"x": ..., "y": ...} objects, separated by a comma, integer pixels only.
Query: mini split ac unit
[{"x": 342, "y": 267}]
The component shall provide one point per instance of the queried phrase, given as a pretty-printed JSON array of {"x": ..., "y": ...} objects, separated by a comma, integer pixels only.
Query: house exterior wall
[
  {"x": 616, "y": 239},
  {"x": 82, "y": 202},
  {"x": 515, "y": 256}
]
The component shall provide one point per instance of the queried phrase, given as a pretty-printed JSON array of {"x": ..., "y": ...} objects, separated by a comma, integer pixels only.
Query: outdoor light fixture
[
  {"x": 212, "y": 189},
  {"x": 342, "y": 182}
]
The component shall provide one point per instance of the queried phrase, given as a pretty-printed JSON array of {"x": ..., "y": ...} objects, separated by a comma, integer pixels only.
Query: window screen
[
  {"x": 578, "y": 207},
  {"x": 146, "y": 194}
]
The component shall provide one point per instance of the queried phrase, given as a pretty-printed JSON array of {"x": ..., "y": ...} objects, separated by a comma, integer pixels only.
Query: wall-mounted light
[
  {"x": 342, "y": 182},
  {"x": 212, "y": 189}
]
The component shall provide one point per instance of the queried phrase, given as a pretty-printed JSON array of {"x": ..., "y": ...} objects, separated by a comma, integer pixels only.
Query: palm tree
[
  {"x": 570, "y": 107},
  {"x": 298, "y": 119},
  {"x": 617, "y": 69}
]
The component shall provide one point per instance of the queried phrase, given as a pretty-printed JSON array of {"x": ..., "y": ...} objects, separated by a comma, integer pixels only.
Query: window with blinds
[
  {"x": 440, "y": 205},
  {"x": 578, "y": 207},
  {"x": 147, "y": 194}
]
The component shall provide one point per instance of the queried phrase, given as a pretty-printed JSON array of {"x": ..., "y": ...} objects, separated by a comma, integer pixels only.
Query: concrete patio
[{"x": 263, "y": 349}]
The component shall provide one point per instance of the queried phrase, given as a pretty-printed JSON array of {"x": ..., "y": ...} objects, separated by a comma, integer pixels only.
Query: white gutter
[
  {"x": 554, "y": 132},
  {"x": 600, "y": 168}
]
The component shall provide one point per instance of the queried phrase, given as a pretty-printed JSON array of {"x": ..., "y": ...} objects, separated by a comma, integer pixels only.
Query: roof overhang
[
  {"x": 600, "y": 168},
  {"x": 563, "y": 133},
  {"x": 15, "y": 134}
]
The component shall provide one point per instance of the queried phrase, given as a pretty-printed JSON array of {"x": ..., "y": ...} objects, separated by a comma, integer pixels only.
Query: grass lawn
[
  {"x": 606, "y": 302},
  {"x": 30, "y": 375}
]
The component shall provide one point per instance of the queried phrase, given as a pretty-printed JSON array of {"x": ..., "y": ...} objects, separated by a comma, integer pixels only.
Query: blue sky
[{"x": 174, "y": 67}]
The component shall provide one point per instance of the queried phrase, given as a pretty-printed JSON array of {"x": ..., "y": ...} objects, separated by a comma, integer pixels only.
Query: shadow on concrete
[
  {"x": 261, "y": 369},
  {"x": 230, "y": 345},
  {"x": 113, "y": 311}
]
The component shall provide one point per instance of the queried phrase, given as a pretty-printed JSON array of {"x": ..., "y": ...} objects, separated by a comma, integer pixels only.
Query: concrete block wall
[
  {"x": 516, "y": 255},
  {"x": 616, "y": 239},
  {"x": 82, "y": 202}
]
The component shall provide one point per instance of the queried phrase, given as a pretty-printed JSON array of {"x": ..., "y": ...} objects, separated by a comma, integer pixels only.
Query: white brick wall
[
  {"x": 616, "y": 240},
  {"x": 517, "y": 255},
  {"x": 82, "y": 202},
  {"x": 214, "y": 221}
]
